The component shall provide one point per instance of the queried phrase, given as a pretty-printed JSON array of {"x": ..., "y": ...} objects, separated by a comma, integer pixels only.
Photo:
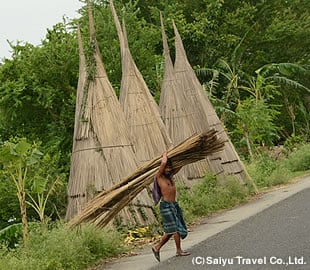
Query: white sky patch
[{"x": 28, "y": 20}]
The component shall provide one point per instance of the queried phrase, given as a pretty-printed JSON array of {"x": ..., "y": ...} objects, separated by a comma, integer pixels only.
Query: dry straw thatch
[
  {"x": 102, "y": 149},
  {"x": 140, "y": 108},
  {"x": 227, "y": 161},
  {"x": 107, "y": 204},
  {"x": 182, "y": 117}
]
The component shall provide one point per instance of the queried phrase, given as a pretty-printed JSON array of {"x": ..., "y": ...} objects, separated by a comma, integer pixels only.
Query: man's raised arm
[{"x": 163, "y": 164}]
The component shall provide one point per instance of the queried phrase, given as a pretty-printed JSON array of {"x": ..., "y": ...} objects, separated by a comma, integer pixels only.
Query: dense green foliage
[
  {"x": 34, "y": 178},
  {"x": 37, "y": 86},
  {"x": 37, "y": 89},
  {"x": 63, "y": 248}
]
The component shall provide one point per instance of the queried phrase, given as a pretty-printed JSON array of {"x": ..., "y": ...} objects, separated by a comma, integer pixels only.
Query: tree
[
  {"x": 37, "y": 91},
  {"x": 256, "y": 124},
  {"x": 272, "y": 83},
  {"x": 291, "y": 92}
]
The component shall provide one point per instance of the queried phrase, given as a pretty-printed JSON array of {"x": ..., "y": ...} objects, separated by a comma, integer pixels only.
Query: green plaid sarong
[{"x": 173, "y": 218}]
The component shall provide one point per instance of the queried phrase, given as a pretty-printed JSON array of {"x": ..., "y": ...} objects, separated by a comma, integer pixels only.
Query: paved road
[
  {"x": 277, "y": 238},
  {"x": 275, "y": 226}
]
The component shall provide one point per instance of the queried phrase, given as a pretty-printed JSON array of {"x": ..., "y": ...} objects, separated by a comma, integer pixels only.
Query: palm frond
[
  {"x": 223, "y": 64},
  {"x": 287, "y": 82},
  {"x": 206, "y": 71},
  {"x": 286, "y": 69},
  {"x": 214, "y": 82}
]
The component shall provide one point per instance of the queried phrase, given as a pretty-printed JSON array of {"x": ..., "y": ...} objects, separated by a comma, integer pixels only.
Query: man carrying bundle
[{"x": 164, "y": 188}]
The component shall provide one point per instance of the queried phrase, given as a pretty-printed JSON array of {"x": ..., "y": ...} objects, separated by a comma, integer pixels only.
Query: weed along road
[
  {"x": 276, "y": 238},
  {"x": 268, "y": 233}
]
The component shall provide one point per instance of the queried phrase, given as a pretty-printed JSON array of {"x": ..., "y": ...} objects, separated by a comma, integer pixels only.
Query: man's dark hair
[{"x": 169, "y": 163}]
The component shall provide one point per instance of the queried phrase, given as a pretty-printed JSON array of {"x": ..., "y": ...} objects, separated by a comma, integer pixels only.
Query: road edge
[{"x": 211, "y": 226}]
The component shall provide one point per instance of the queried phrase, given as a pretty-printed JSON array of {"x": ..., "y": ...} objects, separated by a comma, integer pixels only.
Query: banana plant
[
  {"x": 40, "y": 193},
  {"x": 16, "y": 159}
]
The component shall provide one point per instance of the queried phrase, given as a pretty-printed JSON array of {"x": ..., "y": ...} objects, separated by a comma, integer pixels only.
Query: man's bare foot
[{"x": 182, "y": 253}]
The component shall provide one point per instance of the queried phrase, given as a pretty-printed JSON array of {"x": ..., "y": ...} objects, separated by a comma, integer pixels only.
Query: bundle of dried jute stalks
[{"x": 107, "y": 204}]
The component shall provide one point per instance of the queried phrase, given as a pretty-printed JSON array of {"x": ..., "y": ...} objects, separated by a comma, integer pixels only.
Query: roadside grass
[
  {"x": 209, "y": 196},
  {"x": 267, "y": 172},
  {"x": 86, "y": 246},
  {"x": 63, "y": 248}
]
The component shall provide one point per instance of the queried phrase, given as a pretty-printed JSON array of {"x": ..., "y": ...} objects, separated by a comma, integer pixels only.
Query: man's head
[{"x": 168, "y": 169}]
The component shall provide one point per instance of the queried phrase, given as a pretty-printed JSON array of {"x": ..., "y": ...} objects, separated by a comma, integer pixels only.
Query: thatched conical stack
[
  {"x": 181, "y": 118},
  {"x": 227, "y": 161},
  {"x": 140, "y": 108},
  {"x": 82, "y": 165},
  {"x": 102, "y": 149}
]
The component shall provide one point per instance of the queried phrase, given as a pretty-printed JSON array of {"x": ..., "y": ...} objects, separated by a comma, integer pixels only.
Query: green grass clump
[
  {"x": 261, "y": 169},
  {"x": 63, "y": 248},
  {"x": 299, "y": 159},
  {"x": 209, "y": 196},
  {"x": 267, "y": 172}
]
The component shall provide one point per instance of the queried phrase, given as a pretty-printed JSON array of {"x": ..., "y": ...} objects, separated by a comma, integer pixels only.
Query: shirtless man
[{"x": 169, "y": 209}]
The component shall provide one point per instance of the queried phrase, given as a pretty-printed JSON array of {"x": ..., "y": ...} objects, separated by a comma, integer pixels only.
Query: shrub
[
  {"x": 294, "y": 142},
  {"x": 280, "y": 175},
  {"x": 267, "y": 172},
  {"x": 299, "y": 160},
  {"x": 63, "y": 248},
  {"x": 209, "y": 196},
  {"x": 261, "y": 169},
  {"x": 12, "y": 235}
]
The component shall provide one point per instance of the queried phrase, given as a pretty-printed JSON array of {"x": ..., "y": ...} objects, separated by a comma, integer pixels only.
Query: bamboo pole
[{"x": 105, "y": 206}]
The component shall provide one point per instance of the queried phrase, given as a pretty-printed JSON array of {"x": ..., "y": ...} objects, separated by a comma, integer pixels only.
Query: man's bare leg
[
  {"x": 156, "y": 248},
  {"x": 177, "y": 240},
  {"x": 163, "y": 241}
]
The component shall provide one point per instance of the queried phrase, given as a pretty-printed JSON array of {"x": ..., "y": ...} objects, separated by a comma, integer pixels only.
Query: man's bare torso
[{"x": 167, "y": 188}]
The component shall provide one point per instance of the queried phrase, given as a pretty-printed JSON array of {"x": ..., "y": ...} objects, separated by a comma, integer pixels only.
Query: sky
[{"x": 28, "y": 20}]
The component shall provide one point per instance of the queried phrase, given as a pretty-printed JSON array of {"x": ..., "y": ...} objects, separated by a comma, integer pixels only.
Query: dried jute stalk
[{"x": 106, "y": 205}]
